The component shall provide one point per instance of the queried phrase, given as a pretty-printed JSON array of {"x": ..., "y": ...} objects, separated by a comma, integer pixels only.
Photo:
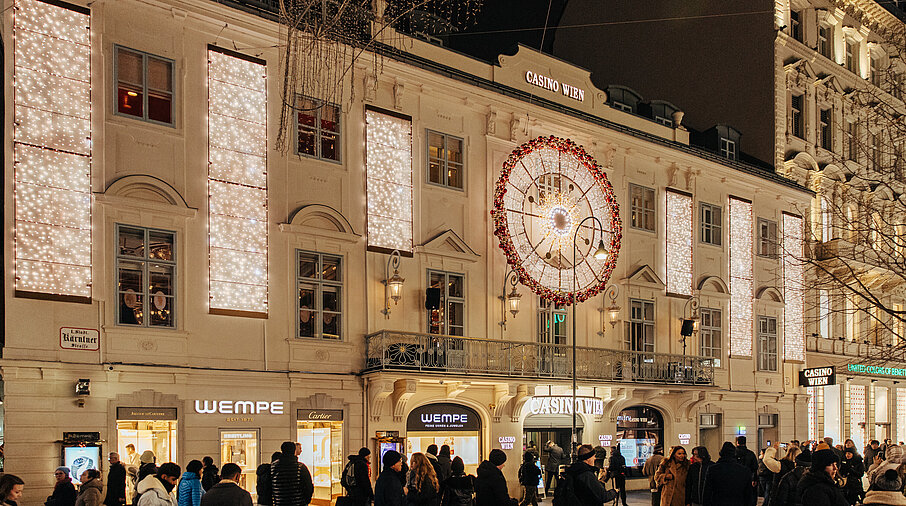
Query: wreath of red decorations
[{"x": 498, "y": 214}]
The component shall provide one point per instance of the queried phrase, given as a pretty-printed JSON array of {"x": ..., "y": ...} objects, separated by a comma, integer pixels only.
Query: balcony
[
  {"x": 864, "y": 349},
  {"x": 430, "y": 353}
]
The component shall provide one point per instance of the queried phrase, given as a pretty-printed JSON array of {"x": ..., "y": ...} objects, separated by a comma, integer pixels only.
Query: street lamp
[
  {"x": 510, "y": 300},
  {"x": 600, "y": 254},
  {"x": 393, "y": 285}
]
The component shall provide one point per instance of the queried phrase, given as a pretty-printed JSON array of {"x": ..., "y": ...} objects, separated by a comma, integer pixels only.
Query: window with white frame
[
  {"x": 667, "y": 122},
  {"x": 796, "y": 24},
  {"x": 728, "y": 148},
  {"x": 449, "y": 317},
  {"x": 551, "y": 322},
  {"x": 621, "y": 106},
  {"x": 825, "y": 128},
  {"x": 642, "y": 207},
  {"x": 874, "y": 74},
  {"x": 797, "y": 115},
  {"x": 711, "y": 217},
  {"x": 851, "y": 140},
  {"x": 144, "y": 86},
  {"x": 711, "y": 334},
  {"x": 317, "y": 129},
  {"x": 851, "y": 62},
  {"x": 826, "y": 220},
  {"x": 767, "y": 343},
  {"x": 445, "y": 160},
  {"x": 640, "y": 335},
  {"x": 320, "y": 285},
  {"x": 767, "y": 238},
  {"x": 145, "y": 277},
  {"x": 824, "y": 314},
  {"x": 825, "y": 40}
]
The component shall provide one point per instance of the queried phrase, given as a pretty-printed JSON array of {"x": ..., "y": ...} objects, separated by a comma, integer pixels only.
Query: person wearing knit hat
[
  {"x": 886, "y": 490},
  {"x": 785, "y": 491},
  {"x": 490, "y": 485},
  {"x": 582, "y": 474},
  {"x": 64, "y": 492},
  {"x": 388, "y": 490},
  {"x": 817, "y": 486}
]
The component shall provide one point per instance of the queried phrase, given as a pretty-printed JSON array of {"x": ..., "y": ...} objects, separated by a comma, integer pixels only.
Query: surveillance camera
[{"x": 83, "y": 387}]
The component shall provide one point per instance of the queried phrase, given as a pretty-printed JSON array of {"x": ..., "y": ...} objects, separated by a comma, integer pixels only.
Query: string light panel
[
  {"x": 793, "y": 290},
  {"x": 52, "y": 148},
  {"x": 857, "y": 414},
  {"x": 742, "y": 286},
  {"x": 901, "y": 408},
  {"x": 389, "y": 181},
  {"x": 679, "y": 243},
  {"x": 812, "y": 413},
  {"x": 237, "y": 181}
]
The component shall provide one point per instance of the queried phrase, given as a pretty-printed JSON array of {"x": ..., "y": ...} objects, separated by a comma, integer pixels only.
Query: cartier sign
[{"x": 320, "y": 415}]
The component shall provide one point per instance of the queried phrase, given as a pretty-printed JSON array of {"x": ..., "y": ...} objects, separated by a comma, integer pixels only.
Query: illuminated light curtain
[
  {"x": 389, "y": 181},
  {"x": 742, "y": 290},
  {"x": 679, "y": 243},
  {"x": 237, "y": 182},
  {"x": 793, "y": 290},
  {"x": 901, "y": 414},
  {"x": 52, "y": 149},
  {"x": 857, "y": 414},
  {"x": 812, "y": 413}
]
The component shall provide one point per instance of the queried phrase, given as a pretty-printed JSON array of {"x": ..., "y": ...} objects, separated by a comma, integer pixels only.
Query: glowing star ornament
[{"x": 559, "y": 219}]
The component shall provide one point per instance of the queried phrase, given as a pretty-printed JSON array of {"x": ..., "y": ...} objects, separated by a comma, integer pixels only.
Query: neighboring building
[
  {"x": 824, "y": 70},
  {"x": 175, "y": 283}
]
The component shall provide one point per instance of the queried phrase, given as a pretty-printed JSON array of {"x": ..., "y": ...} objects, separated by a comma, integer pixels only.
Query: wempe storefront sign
[
  {"x": 551, "y": 84},
  {"x": 562, "y": 405},
  {"x": 817, "y": 377},
  {"x": 443, "y": 416},
  {"x": 239, "y": 407}
]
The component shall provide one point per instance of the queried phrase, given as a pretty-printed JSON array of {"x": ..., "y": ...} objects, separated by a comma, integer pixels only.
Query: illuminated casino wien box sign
[
  {"x": 817, "y": 377},
  {"x": 443, "y": 416}
]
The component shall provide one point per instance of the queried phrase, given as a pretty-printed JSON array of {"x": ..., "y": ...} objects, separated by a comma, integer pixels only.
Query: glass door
[
  {"x": 322, "y": 453},
  {"x": 241, "y": 448}
]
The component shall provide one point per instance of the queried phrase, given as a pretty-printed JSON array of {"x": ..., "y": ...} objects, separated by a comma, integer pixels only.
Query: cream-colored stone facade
[{"x": 154, "y": 176}]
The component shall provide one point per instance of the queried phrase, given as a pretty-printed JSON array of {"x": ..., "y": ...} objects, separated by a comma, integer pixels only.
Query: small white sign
[
  {"x": 79, "y": 339},
  {"x": 506, "y": 442},
  {"x": 684, "y": 439},
  {"x": 605, "y": 439}
]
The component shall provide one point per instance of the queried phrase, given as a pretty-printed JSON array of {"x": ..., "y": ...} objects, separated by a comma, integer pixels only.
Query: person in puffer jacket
[
  {"x": 189, "y": 491},
  {"x": 291, "y": 483},
  {"x": 263, "y": 485},
  {"x": 459, "y": 487},
  {"x": 157, "y": 489},
  {"x": 785, "y": 491},
  {"x": 886, "y": 490}
]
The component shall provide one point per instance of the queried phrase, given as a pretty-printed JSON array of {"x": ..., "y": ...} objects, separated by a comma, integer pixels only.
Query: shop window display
[
  {"x": 639, "y": 430},
  {"x": 159, "y": 436},
  {"x": 463, "y": 446},
  {"x": 322, "y": 452},
  {"x": 241, "y": 447},
  {"x": 446, "y": 424}
]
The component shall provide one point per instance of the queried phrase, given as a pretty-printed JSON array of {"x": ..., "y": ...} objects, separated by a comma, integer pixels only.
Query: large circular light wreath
[{"x": 546, "y": 188}]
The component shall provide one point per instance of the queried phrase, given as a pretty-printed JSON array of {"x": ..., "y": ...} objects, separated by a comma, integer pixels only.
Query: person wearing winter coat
[
  {"x": 583, "y": 475},
  {"x": 431, "y": 454},
  {"x": 727, "y": 482},
  {"x": 422, "y": 486},
  {"x": 650, "y": 469},
  {"x": 671, "y": 476},
  {"x": 852, "y": 470},
  {"x": 263, "y": 483},
  {"x": 894, "y": 457},
  {"x": 552, "y": 466},
  {"x": 11, "y": 487},
  {"x": 157, "y": 489},
  {"x": 189, "y": 491},
  {"x": 291, "y": 483},
  {"x": 747, "y": 458},
  {"x": 695, "y": 479},
  {"x": 116, "y": 481},
  {"x": 388, "y": 490},
  {"x": 529, "y": 476},
  {"x": 886, "y": 490},
  {"x": 459, "y": 488},
  {"x": 209, "y": 476},
  {"x": 91, "y": 490},
  {"x": 444, "y": 462},
  {"x": 868, "y": 453},
  {"x": 361, "y": 493},
  {"x": 617, "y": 471},
  {"x": 227, "y": 491},
  {"x": 147, "y": 467},
  {"x": 64, "y": 492},
  {"x": 817, "y": 486},
  {"x": 490, "y": 485},
  {"x": 784, "y": 490},
  {"x": 767, "y": 472}
]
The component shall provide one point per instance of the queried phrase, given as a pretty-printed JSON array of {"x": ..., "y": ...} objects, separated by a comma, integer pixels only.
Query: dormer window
[
  {"x": 664, "y": 121},
  {"x": 621, "y": 106},
  {"x": 727, "y": 148},
  {"x": 623, "y": 99}
]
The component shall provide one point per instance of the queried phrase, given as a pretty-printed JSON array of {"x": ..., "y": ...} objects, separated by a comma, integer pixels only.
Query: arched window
[{"x": 639, "y": 430}]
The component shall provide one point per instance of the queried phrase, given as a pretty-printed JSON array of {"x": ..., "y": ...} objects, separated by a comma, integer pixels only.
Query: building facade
[{"x": 175, "y": 282}]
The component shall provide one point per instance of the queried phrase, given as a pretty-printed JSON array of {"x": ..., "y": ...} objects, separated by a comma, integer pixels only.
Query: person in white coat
[{"x": 158, "y": 489}]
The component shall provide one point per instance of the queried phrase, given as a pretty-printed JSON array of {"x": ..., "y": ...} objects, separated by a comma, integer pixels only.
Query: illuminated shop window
[
  {"x": 711, "y": 333},
  {"x": 317, "y": 129},
  {"x": 145, "y": 277},
  {"x": 793, "y": 290},
  {"x": 767, "y": 343},
  {"x": 237, "y": 182},
  {"x": 901, "y": 408},
  {"x": 679, "y": 243},
  {"x": 320, "y": 280},
  {"x": 388, "y": 181},
  {"x": 144, "y": 86},
  {"x": 445, "y": 160},
  {"x": 52, "y": 149},
  {"x": 741, "y": 277}
]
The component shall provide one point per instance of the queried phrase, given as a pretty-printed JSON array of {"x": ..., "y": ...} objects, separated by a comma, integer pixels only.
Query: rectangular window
[
  {"x": 824, "y": 41},
  {"x": 767, "y": 238},
  {"x": 857, "y": 414},
  {"x": 826, "y": 218},
  {"x": 824, "y": 314},
  {"x": 767, "y": 343},
  {"x": 621, "y": 106},
  {"x": 852, "y": 55},
  {"x": 445, "y": 160},
  {"x": 145, "y": 277},
  {"x": 641, "y": 326},
  {"x": 825, "y": 128},
  {"x": 642, "y": 207},
  {"x": 727, "y": 148},
  {"x": 796, "y": 116},
  {"x": 551, "y": 322},
  {"x": 144, "y": 86},
  {"x": 874, "y": 144},
  {"x": 664, "y": 121},
  {"x": 874, "y": 74},
  {"x": 388, "y": 181},
  {"x": 901, "y": 408},
  {"x": 679, "y": 242},
  {"x": 851, "y": 135},
  {"x": 449, "y": 316},
  {"x": 317, "y": 129},
  {"x": 796, "y": 25},
  {"x": 320, "y": 284},
  {"x": 711, "y": 224},
  {"x": 711, "y": 332}
]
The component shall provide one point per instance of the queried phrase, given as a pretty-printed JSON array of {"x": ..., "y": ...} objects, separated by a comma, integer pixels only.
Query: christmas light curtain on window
[
  {"x": 52, "y": 149},
  {"x": 741, "y": 277},
  {"x": 389, "y": 181},
  {"x": 793, "y": 290},
  {"x": 901, "y": 409},
  {"x": 812, "y": 413},
  {"x": 237, "y": 181},
  {"x": 857, "y": 414},
  {"x": 679, "y": 242}
]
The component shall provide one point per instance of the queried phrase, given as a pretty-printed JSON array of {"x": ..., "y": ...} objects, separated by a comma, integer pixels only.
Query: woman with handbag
[{"x": 671, "y": 475}]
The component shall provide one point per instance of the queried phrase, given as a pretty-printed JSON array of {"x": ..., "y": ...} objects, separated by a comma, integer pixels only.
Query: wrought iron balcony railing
[{"x": 410, "y": 351}]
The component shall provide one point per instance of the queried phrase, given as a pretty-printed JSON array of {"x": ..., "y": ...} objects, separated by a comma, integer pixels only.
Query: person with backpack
[
  {"x": 617, "y": 471},
  {"x": 459, "y": 488},
  {"x": 490, "y": 485},
  {"x": 356, "y": 480},
  {"x": 529, "y": 476},
  {"x": 580, "y": 485},
  {"x": 695, "y": 480},
  {"x": 291, "y": 483}
]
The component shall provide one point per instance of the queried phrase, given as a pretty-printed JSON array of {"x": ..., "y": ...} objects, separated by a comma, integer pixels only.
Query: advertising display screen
[
  {"x": 637, "y": 451},
  {"x": 81, "y": 458}
]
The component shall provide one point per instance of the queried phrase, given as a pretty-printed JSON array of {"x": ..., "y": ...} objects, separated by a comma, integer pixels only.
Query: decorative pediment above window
[
  {"x": 319, "y": 219},
  {"x": 713, "y": 285},
  {"x": 828, "y": 88},
  {"x": 449, "y": 244},
  {"x": 799, "y": 75},
  {"x": 769, "y": 294},
  {"x": 145, "y": 192},
  {"x": 646, "y": 277}
]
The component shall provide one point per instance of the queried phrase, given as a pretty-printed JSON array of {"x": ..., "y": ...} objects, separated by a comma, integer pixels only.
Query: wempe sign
[{"x": 817, "y": 377}]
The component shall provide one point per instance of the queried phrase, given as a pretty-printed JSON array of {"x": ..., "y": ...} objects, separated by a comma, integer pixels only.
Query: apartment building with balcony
[{"x": 175, "y": 282}]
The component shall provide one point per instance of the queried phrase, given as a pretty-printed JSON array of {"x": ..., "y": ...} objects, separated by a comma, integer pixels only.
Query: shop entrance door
[
  {"x": 134, "y": 437},
  {"x": 241, "y": 448},
  {"x": 322, "y": 452}
]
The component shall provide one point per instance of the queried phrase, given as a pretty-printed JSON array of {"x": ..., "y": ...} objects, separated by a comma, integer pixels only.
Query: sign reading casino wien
[
  {"x": 443, "y": 416},
  {"x": 817, "y": 377},
  {"x": 562, "y": 405},
  {"x": 551, "y": 84}
]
